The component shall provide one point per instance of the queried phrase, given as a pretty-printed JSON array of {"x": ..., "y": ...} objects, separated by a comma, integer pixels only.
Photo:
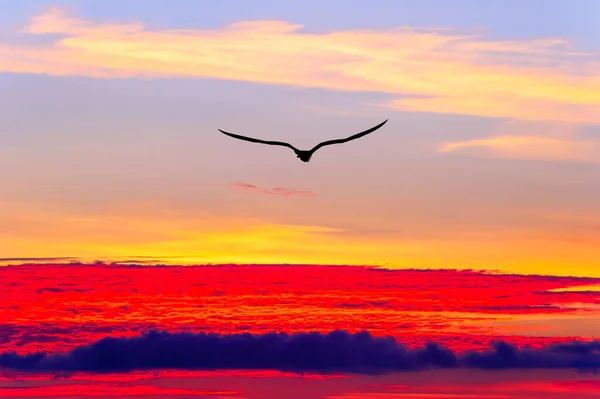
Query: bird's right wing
[
  {"x": 346, "y": 139},
  {"x": 252, "y": 140}
]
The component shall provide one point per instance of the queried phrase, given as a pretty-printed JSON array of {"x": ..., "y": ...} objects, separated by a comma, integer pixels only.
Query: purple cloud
[{"x": 338, "y": 351}]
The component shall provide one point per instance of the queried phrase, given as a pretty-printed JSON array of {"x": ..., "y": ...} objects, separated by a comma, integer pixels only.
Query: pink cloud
[{"x": 274, "y": 191}]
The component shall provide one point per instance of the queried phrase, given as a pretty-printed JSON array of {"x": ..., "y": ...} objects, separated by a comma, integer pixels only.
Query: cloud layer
[
  {"x": 338, "y": 351},
  {"x": 431, "y": 70},
  {"x": 74, "y": 305}
]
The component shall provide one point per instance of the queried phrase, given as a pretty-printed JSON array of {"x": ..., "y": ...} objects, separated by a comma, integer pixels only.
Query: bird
[{"x": 305, "y": 155}]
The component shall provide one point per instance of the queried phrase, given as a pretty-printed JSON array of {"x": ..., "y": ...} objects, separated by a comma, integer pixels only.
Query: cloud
[
  {"x": 112, "y": 389},
  {"x": 338, "y": 351},
  {"x": 55, "y": 290},
  {"x": 275, "y": 191},
  {"x": 244, "y": 186},
  {"x": 576, "y": 385},
  {"x": 530, "y": 147},
  {"x": 577, "y": 355},
  {"x": 537, "y": 140},
  {"x": 460, "y": 309},
  {"x": 2, "y": 260},
  {"x": 428, "y": 70}
]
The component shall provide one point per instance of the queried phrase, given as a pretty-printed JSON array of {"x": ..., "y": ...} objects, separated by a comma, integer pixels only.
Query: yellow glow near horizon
[{"x": 174, "y": 239}]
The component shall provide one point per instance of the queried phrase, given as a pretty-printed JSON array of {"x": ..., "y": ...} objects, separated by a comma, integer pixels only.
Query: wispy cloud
[
  {"x": 52, "y": 259},
  {"x": 532, "y": 141},
  {"x": 531, "y": 147},
  {"x": 287, "y": 192},
  {"x": 431, "y": 70}
]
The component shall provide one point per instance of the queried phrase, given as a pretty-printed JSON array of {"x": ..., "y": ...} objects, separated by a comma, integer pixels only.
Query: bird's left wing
[
  {"x": 353, "y": 137},
  {"x": 253, "y": 140}
]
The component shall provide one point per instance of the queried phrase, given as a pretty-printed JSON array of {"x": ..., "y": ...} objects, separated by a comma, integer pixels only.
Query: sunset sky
[
  {"x": 479, "y": 199},
  {"x": 490, "y": 159}
]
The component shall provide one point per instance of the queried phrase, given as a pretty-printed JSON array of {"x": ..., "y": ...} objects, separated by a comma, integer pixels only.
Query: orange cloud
[
  {"x": 546, "y": 142},
  {"x": 433, "y": 70},
  {"x": 532, "y": 148}
]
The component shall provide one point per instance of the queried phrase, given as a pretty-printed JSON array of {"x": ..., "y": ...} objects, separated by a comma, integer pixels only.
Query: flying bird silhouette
[{"x": 302, "y": 154}]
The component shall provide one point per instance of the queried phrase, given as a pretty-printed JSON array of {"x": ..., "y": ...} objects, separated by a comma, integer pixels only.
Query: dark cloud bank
[{"x": 338, "y": 351}]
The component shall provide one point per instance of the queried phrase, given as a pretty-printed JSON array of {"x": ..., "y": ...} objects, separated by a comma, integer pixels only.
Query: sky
[
  {"x": 489, "y": 159},
  {"x": 451, "y": 253}
]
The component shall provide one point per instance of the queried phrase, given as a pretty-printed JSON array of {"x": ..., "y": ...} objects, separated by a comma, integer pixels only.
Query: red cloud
[{"x": 56, "y": 307}]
